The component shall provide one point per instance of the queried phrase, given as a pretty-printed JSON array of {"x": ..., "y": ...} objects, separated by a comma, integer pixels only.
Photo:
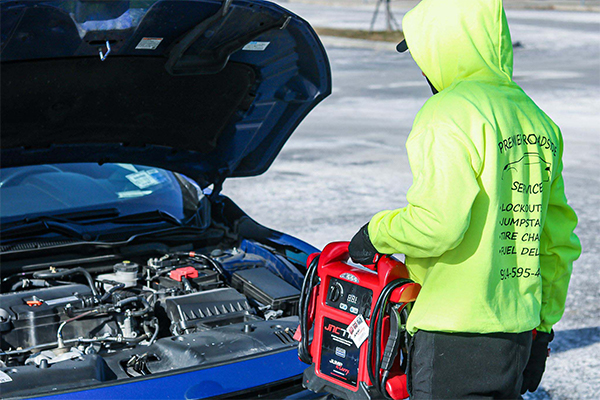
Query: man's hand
[
  {"x": 536, "y": 366},
  {"x": 361, "y": 249}
]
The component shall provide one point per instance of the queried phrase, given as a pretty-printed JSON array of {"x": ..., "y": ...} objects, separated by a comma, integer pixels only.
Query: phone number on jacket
[{"x": 517, "y": 272}]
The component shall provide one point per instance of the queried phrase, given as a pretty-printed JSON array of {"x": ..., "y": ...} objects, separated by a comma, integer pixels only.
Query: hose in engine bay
[
  {"x": 202, "y": 257},
  {"x": 67, "y": 272},
  {"x": 59, "y": 338}
]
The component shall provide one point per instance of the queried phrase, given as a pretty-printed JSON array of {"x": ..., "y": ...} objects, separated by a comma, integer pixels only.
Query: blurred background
[{"x": 347, "y": 160}]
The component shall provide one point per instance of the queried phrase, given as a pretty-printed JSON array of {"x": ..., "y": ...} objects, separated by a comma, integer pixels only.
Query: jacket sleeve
[
  {"x": 445, "y": 166},
  {"x": 559, "y": 247}
]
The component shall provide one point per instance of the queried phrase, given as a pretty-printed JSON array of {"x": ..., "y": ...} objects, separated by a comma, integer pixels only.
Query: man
[{"x": 487, "y": 231}]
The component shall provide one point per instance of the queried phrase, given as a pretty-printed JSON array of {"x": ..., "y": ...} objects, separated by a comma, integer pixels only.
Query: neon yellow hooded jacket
[{"x": 487, "y": 231}]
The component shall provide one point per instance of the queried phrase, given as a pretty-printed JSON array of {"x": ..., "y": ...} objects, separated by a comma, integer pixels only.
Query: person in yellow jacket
[{"x": 487, "y": 231}]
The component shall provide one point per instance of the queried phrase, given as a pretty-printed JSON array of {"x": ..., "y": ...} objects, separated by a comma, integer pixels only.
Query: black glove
[
  {"x": 361, "y": 249},
  {"x": 536, "y": 365}
]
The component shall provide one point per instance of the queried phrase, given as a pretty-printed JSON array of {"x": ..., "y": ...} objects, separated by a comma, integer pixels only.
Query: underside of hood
[{"x": 205, "y": 88}]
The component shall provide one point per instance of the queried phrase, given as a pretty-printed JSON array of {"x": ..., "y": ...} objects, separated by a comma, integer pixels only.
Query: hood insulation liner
[{"x": 131, "y": 101}]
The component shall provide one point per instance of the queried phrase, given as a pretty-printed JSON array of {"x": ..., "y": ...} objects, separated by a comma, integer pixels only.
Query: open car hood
[{"x": 207, "y": 88}]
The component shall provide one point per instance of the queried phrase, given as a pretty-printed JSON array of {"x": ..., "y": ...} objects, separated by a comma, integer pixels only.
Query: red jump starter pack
[{"x": 358, "y": 315}]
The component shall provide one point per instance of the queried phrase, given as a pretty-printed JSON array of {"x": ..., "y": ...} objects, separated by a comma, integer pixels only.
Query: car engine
[{"x": 139, "y": 317}]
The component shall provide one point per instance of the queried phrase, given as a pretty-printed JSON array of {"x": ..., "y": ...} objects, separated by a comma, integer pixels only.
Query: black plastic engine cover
[
  {"x": 35, "y": 324},
  {"x": 211, "y": 307}
]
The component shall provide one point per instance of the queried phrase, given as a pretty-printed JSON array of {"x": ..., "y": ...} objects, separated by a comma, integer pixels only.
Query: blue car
[{"x": 126, "y": 273}]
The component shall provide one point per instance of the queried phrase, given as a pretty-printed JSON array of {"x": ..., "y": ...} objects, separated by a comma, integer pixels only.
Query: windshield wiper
[
  {"x": 32, "y": 226},
  {"x": 64, "y": 226},
  {"x": 178, "y": 230},
  {"x": 59, "y": 223},
  {"x": 147, "y": 217},
  {"x": 75, "y": 217},
  {"x": 88, "y": 215},
  {"x": 44, "y": 225}
]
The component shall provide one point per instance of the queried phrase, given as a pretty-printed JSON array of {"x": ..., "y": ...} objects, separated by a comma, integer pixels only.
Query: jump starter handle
[{"x": 338, "y": 251}]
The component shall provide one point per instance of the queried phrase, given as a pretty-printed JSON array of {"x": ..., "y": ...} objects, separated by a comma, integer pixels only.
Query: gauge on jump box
[{"x": 349, "y": 297}]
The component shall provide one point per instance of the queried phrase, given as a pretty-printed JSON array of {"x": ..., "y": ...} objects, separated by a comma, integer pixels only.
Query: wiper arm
[
  {"x": 88, "y": 215},
  {"x": 49, "y": 223},
  {"x": 176, "y": 230},
  {"x": 147, "y": 217},
  {"x": 75, "y": 217},
  {"x": 44, "y": 225},
  {"x": 59, "y": 223}
]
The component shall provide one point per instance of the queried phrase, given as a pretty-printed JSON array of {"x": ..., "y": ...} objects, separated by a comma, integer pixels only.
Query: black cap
[{"x": 402, "y": 47}]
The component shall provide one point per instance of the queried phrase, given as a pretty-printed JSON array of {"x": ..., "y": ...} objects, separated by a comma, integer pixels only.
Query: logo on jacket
[{"x": 528, "y": 159}]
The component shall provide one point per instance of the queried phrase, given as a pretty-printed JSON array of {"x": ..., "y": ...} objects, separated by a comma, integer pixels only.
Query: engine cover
[
  {"x": 33, "y": 316},
  {"x": 209, "y": 308}
]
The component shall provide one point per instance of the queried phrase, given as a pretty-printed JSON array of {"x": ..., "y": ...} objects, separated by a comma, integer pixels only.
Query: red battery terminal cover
[{"x": 187, "y": 272}]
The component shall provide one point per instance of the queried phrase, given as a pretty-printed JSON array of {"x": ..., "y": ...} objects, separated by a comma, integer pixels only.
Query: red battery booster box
[{"x": 355, "y": 311}]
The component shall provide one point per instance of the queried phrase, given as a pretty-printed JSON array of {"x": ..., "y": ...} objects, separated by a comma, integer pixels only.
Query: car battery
[{"x": 341, "y": 305}]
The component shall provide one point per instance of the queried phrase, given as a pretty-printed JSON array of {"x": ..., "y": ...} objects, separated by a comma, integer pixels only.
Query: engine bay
[{"x": 72, "y": 326}]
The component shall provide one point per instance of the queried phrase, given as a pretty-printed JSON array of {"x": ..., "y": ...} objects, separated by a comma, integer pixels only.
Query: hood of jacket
[{"x": 455, "y": 40}]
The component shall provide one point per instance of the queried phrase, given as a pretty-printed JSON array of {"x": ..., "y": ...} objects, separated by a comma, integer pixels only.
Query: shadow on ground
[
  {"x": 539, "y": 394},
  {"x": 575, "y": 338}
]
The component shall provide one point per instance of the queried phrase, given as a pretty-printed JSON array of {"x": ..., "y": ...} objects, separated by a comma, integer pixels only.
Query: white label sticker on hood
[
  {"x": 256, "y": 46},
  {"x": 148, "y": 43},
  {"x": 4, "y": 378}
]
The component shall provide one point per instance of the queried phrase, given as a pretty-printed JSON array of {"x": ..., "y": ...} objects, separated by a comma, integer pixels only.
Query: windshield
[{"x": 53, "y": 189}]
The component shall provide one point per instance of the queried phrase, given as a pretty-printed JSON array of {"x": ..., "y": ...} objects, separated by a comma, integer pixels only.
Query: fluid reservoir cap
[{"x": 126, "y": 266}]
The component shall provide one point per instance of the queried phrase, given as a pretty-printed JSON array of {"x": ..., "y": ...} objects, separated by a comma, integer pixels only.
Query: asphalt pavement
[{"x": 347, "y": 160}]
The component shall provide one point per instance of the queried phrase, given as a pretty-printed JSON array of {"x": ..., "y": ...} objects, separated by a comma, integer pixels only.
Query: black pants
[{"x": 467, "y": 366}]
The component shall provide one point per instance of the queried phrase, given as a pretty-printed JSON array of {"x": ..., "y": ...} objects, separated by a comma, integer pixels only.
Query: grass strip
[{"x": 383, "y": 36}]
